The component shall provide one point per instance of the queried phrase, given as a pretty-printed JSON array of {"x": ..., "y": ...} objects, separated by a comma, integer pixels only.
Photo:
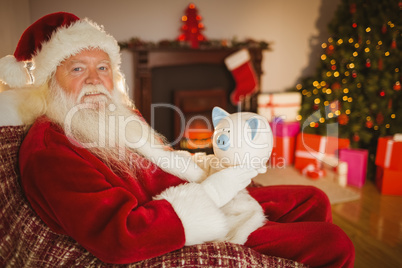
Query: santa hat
[{"x": 49, "y": 41}]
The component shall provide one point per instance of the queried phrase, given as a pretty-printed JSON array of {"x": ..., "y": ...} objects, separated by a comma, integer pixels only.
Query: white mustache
[{"x": 89, "y": 90}]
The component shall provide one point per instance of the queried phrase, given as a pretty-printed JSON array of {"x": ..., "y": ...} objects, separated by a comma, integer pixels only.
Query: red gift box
[
  {"x": 282, "y": 151},
  {"x": 389, "y": 153},
  {"x": 388, "y": 181},
  {"x": 311, "y": 148},
  {"x": 357, "y": 161}
]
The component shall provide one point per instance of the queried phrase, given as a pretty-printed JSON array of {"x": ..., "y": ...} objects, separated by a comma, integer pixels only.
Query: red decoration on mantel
[{"x": 192, "y": 27}]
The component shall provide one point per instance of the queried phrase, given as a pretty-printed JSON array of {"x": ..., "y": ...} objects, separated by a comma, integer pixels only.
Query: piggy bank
[{"x": 242, "y": 139}]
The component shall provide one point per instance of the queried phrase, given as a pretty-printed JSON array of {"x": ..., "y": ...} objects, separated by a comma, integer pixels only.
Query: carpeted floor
[{"x": 289, "y": 175}]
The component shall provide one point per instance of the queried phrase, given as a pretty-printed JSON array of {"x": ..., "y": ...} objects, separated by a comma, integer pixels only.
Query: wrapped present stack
[
  {"x": 281, "y": 111},
  {"x": 389, "y": 165},
  {"x": 313, "y": 155}
]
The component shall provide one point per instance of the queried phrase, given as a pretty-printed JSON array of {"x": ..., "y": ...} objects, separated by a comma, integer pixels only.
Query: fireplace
[
  {"x": 192, "y": 127},
  {"x": 172, "y": 83}
]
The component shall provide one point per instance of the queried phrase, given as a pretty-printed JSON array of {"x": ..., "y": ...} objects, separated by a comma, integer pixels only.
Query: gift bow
[{"x": 313, "y": 172}]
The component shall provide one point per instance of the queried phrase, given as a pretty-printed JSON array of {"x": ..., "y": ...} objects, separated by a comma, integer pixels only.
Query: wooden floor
[{"x": 374, "y": 224}]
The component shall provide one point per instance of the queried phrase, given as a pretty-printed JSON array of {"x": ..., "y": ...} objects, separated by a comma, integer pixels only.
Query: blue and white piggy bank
[{"x": 242, "y": 139}]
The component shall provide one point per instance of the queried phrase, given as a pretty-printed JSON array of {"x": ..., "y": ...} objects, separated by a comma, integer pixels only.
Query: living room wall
[{"x": 294, "y": 28}]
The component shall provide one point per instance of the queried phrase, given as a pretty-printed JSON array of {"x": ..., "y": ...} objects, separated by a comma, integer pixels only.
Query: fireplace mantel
[{"x": 147, "y": 59}]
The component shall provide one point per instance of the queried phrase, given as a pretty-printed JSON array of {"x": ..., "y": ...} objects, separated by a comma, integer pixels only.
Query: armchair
[{"x": 25, "y": 241}]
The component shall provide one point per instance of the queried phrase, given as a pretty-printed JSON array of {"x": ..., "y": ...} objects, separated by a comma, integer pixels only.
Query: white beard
[{"x": 110, "y": 129}]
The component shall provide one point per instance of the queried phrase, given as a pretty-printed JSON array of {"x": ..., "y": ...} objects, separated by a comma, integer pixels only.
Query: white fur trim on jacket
[
  {"x": 202, "y": 220},
  {"x": 174, "y": 162},
  {"x": 244, "y": 216},
  {"x": 66, "y": 42}
]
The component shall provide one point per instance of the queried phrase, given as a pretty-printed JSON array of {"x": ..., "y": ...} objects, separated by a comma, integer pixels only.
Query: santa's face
[{"x": 88, "y": 67}]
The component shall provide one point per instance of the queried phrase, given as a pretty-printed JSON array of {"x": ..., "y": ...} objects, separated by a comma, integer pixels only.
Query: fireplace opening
[
  {"x": 193, "y": 127},
  {"x": 193, "y": 90}
]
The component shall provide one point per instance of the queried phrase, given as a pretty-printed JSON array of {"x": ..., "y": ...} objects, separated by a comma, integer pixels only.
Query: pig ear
[
  {"x": 217, "y": 115},
  {"x": 253, "y": 123}
]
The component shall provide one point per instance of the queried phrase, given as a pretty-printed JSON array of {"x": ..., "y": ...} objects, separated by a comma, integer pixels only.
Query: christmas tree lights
[{"x": 357, "y": 84}]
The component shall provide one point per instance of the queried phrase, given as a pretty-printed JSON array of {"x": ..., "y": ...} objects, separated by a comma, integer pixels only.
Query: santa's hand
[{"x": 225, "y": 184}]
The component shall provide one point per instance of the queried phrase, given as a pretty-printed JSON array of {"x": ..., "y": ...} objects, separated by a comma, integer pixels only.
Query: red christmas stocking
[{"x": 243, "y": 73}]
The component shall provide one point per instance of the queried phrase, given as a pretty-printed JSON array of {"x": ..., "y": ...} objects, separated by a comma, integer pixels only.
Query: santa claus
[{"x": 92, "y": 168}]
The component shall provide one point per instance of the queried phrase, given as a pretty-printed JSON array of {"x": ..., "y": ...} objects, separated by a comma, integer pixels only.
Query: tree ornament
[
  {"x": 380, "y": 64},
  {"x": 336, "y": 86},
  {"x": 330, "y": 49},
  {"x": 354, "y": 74},
  {"x": 352, "y": 8},
  {"x": 368, "y": 63},
  {"x": 397, "y": 86},
  {"x": 393, "y": 44},
  {"x": 382, "y": 93},
  {"x": 343, "y": 119},
  {"x": 384, "y": 29},
  {"x": 380, "y": 118},
  {"x": 390, "y": 104},
  {"x": 356, "y": 137},
  {"x": 191, "y": 30},
  {"x": 369, "y": 124}
]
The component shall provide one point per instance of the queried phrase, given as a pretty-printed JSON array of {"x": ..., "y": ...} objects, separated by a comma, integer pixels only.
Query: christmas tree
[
  {"x": 192, "y": 27},
  {"x": 357, "y": 85}
]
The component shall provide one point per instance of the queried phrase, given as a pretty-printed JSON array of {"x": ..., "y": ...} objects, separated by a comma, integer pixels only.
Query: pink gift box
[
  {"x": 285, "y": 129},
  {"x": 357, "y": 165}
]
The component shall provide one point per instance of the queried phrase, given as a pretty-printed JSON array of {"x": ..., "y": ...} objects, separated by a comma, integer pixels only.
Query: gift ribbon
[
  {"x": 311, "y": 170},
  {"x": 286, "y": 149},
  {"x": 388, "y": 153},
  {"x": 313, "y": 154},
  {"x": 308, "y": 168},
  {"x": 272, "y": 105}
]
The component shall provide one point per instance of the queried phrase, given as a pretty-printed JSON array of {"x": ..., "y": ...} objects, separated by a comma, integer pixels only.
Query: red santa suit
[
  {"x": 113, "y": 216},
  {"x": 118, "y": 219}
]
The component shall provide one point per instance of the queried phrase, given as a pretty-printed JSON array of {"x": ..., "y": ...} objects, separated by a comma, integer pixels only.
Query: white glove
[{"x": 222, "y": 186}]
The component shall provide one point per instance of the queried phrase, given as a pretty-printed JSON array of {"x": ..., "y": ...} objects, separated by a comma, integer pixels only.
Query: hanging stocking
[{"x": 243, "y": 73}]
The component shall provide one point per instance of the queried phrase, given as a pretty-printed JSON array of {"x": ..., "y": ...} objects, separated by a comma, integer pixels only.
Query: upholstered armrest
[{"x": 26, "y": 241}]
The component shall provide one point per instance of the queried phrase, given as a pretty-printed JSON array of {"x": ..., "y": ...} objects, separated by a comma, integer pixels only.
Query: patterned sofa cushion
[{"x": 25, "y": 241}]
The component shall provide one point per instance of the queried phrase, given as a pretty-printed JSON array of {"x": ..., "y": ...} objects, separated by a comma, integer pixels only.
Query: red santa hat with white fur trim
[{"x": 49, "y": 41}]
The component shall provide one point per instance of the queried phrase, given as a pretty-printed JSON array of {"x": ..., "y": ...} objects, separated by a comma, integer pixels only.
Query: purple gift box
[
  {"x": 285, "y": 129},
  {"x": 357, "y": 165}
]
